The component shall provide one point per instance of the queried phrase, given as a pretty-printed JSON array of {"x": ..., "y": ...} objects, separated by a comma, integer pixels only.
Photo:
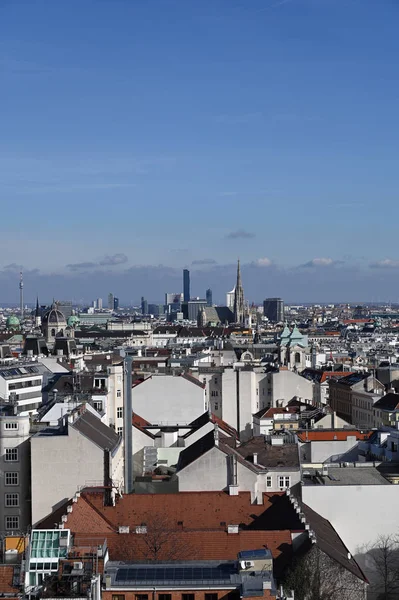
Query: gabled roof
[
  {"x": 196, "y": 450},
  {"x": 268, "y": 456},
  {"x": 210, "y": 417},
  {"x": 99, "y": 433},
  {"x": 388, "y": 402}
]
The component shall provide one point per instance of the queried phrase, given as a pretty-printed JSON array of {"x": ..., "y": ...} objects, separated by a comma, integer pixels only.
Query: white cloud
[
  {"x": 320, "y": 262},
  {"x": 387, "y": 263},
  {"x": 263, "y": 262}
]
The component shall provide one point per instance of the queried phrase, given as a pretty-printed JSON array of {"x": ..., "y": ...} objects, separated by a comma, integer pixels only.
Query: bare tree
[
  {"x": 315, "y": 576},
  {"x": 382, "y": 563},
  {"x": 158, "y": 540}
]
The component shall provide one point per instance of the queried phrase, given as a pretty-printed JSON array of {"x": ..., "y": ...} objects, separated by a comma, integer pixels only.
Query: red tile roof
[
  {"x": 336, "y": 374},
  {"x": 329, "y": 435},
  {"x": 139, "y": 422},
  {"x": 6, "y": 580},
  {"x": 199, "y": 510}
]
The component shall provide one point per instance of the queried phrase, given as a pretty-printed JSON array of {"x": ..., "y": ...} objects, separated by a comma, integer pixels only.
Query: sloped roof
[
  {"x": 196, "y": 450},
  {"x": 7, "y": 581},
  {"x": 94, "y": 429},
  {"x": 388, "y": 402},
  {"x": 141, "y": 424},
  {"x": 197, "y": 510},
  {"x": 210, "y": 417},
  {"x": 330, "y": 543}
]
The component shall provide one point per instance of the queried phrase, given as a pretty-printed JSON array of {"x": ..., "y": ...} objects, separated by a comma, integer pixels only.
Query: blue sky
[{"x": 142, "y": 136}]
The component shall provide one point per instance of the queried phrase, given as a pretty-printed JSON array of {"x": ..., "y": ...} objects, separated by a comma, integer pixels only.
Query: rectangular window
[
  {"x": 287, "y": 482},
  {"x": 118, "y": 393},
  {"x": 187, "y": 596},
  {"x": 141, "y": 596},
  {"x": 119, "y": 412},
  {"x": 12, "y": 523},
  {"x": 12, "y": 500},
  {"x": 12, "y": 425},
  {"x": 269, "y": 481},
  {"x": 216, "y": 406},
  {"x": 120, "y": 430},
  {"x": 211, "y": 597},
  {"x": 11, "y": 455},
  {"x": 12, "y": 478},
  {"x": 164, "y": 596}
]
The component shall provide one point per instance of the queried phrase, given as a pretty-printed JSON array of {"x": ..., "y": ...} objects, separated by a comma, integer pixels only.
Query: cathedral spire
[{"x": 239, "y": 298}]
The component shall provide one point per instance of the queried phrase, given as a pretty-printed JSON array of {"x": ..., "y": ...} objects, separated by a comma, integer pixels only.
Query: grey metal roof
[{"x": 99, "y": 433}]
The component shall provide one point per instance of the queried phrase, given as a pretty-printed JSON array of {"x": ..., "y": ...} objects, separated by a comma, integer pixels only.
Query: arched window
[
  {"x": 53, "y": 332},
  {"x": 297, "y": 357}
]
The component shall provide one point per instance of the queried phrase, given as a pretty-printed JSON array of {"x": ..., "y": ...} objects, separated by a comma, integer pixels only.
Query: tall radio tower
[{"x": 21, "y": 295}]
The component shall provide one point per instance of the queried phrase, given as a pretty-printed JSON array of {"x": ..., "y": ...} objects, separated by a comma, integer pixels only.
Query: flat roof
[{"x": 345, "y": 476}]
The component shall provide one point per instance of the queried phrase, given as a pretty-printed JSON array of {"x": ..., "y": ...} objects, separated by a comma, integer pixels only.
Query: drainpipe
[{"x": 127, "y": 425}]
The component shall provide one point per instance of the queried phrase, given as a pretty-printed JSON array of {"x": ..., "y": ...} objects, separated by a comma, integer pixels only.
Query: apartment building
[
  {"x": 14, "y": 472},
  {"x": 354, "y": 396},
  {"x": 21, "y": 383}
]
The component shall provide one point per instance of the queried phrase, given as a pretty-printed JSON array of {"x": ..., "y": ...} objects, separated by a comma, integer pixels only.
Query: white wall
[
  {"x": 285, "y": 385},
  {"x": 168, "y": 399},
  {"x": 61, "y": 463},
  {"x": 359, "y": 513},
  {"x": 328, "y": 451}
]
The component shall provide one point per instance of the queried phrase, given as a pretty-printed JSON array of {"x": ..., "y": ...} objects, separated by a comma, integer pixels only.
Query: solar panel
[{"x": 174, "y": 573}]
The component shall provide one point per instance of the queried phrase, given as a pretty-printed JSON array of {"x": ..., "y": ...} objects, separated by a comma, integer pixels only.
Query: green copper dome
[
  {"x": 73, "y": 321},
  {"x": 12, "y": 321}
]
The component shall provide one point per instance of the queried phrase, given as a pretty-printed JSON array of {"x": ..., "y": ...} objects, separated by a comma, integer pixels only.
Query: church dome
[
  {"x": 73, "y": 321},
  {"x": 54, "y": 317},
  {"x": 12, "y": 322}
]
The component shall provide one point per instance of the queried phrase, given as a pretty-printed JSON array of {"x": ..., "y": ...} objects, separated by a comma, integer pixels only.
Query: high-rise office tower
[
  {"x": 65, "y": 306},
  {"x": 21, "y": 295},
  {"x": 239, "y": 306},
  {"x": 208, "y": 297},
  {"x": 99, "y": 303},
  {"x": 186, "y": 285},
  {"x": 273, "y": 309},
  {"x": 116, "y": 303},
  {"x": 111, "y": 301},
  {"x": 144, "y": 306}
]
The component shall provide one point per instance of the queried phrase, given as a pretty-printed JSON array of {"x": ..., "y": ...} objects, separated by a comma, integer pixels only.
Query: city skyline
[{"x": 153, "y": 282}]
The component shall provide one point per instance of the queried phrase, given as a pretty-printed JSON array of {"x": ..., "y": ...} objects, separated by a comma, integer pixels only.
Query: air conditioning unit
[
  {"x": 249, "y": 563},
  {"x": 77, "y": 566}
]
